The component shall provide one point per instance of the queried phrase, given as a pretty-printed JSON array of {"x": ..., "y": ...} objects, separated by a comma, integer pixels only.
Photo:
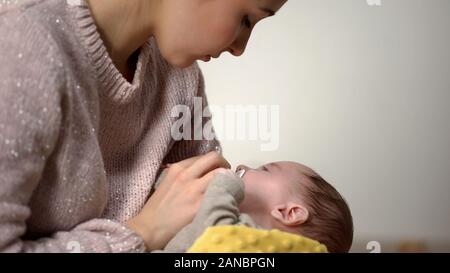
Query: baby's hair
[{"x": 330, "y": 220}]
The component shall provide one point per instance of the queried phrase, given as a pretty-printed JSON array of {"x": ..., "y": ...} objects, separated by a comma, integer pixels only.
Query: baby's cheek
[
  {"x": 256, "y": 185},
  {"x": 250, "y": 183},
  {"x": 272, "y": 192},
  {"x": 251, "y": 176}
]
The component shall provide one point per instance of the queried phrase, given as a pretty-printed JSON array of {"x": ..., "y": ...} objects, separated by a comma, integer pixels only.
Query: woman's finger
[
  {"x": 184, "y": 164},
  {"x": 175, "y": 169},
  {"x": 207, "y": 163},
  {"x": 207, "y": 178}
]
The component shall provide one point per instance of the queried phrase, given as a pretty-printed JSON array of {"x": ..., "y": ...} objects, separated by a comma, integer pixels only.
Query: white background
[{"x": 364, "y": 96}]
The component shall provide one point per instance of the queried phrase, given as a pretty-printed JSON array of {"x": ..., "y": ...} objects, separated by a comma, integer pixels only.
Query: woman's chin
[{"x": 180, "y": 62}]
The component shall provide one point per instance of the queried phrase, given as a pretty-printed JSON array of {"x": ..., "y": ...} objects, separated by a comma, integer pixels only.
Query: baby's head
[{"x": 293, "y": 198}]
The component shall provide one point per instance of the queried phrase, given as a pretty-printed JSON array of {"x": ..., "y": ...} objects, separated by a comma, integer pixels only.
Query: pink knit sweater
[{"x": 80, "y": 146}]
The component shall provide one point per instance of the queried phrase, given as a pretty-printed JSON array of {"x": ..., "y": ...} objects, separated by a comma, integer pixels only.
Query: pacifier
[{"x": 240, "y": 171}]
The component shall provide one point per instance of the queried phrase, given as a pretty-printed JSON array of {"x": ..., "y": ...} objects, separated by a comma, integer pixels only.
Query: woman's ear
[{"x": 291, "y": 214}]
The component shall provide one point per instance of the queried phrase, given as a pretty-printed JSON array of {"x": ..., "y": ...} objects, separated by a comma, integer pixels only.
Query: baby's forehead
[
  {"x": 296, "y": 178},
  {"x": 294, "y": 167},
  {"x": 296, "y": 172}
]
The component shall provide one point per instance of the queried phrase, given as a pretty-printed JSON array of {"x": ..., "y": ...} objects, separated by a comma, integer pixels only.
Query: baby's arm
[{"x": 220, "y": 206}]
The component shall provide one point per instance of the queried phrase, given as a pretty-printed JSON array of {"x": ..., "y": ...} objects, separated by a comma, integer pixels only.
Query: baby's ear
[{"x": 291, "y": 214}]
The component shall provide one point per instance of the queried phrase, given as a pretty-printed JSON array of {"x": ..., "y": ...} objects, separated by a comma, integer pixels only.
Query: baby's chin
[
  {"x": 243, "y": 207},
  {"x": 251, "y": 202}
]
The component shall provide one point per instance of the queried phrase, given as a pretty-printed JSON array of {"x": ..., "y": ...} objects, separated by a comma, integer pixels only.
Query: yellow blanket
[{"x": 242, "y": 239}]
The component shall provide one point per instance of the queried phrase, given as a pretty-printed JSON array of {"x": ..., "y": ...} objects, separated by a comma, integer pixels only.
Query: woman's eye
[{"x": 246, "y": 21}]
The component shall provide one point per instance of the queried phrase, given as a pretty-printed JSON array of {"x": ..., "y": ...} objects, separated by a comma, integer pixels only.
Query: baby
[{"x": 283, "y": 195}]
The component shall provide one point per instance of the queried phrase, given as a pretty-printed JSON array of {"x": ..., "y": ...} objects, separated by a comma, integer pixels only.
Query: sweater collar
[{"x": 112, "y": 83}]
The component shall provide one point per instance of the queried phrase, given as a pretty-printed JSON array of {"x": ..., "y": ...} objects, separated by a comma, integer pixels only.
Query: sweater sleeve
[
  {"x": 32, "y": 84},
  {"x": 220, "y": 206},
  {"x": 184, "y": 149}
]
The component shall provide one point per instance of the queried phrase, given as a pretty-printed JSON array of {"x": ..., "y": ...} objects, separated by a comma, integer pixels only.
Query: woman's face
[{"x": 191, "y": 30}]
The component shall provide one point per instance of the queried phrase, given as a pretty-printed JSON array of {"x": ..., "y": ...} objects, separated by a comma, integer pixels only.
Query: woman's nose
[
  {"x": 236, "y": 51},
  {"x": 237, "y": 48}
]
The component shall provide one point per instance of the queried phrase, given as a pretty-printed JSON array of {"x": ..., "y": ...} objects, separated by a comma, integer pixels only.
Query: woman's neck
[{"x": 124, "y": 27}]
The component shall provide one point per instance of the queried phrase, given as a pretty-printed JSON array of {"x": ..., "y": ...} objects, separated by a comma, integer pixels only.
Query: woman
[{"x": 86, "y": 93}]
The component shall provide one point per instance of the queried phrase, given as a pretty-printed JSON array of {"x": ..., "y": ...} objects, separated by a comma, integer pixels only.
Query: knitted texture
[{"x": 80, "y": 146}]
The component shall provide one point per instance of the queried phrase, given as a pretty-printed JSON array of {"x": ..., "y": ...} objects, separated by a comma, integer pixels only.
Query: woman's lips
[{"x": 206, "y": 58}]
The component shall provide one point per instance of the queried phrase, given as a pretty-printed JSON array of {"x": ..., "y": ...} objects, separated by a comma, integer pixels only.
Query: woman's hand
[{"x": 177, "y": 199}]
